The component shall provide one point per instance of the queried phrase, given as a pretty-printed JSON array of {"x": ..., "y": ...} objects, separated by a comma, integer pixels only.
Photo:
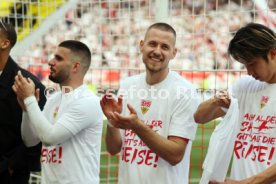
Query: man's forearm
[
  {"x": 113, "y": 140},
  {"x": 170, "y": 150},
  {"x": 28, "y": 133},
  {"x": 47, "y": 133},
  {"x": 208, "y": 111},
  {"x": 268, "y": 176}
]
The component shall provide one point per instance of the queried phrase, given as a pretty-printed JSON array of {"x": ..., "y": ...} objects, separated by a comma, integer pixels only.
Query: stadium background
[{"x": 112, "y": 29}]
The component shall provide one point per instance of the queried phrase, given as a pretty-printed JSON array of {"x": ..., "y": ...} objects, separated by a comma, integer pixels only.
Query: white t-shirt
[
  {"x": 254, "y": 148},
  {"x": 167, "y": 108},
  {"x": 75, "y": 161},
  {"x": 218, "y": 157}
]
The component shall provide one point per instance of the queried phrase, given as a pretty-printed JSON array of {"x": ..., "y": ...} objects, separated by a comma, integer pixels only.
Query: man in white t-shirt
[
  {"x": 254, "y": 149},
  {"x": 152, "y": 124},
  {"x": 70, "y": 125}
]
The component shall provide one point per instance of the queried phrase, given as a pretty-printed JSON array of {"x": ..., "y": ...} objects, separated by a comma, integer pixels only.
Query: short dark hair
[
  {"x": 79, "y": 51},
  {"x": 252, "y": 41},
  {"x": 9, "y": 31},
  {"x": 163, "y": 27}
]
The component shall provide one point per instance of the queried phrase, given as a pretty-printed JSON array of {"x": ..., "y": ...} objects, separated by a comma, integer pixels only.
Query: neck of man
[
  {"x": 3, "y": 59},
  {"x": 156, "y": 77},
  {"x": 67, "y": 87},
  {"x": 273, "y": 79}
]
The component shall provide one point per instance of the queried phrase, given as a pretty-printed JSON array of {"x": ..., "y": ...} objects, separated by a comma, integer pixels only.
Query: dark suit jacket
[{"x": 13, "y": 152}]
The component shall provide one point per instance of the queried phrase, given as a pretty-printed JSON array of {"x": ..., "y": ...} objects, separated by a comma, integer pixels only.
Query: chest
[{"x": 258, "y": 112}]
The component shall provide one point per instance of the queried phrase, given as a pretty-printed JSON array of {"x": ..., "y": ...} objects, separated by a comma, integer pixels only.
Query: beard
[
  {"x": 151, "y": 65},
  {"x": 59, "y": 78},
  {"x": 153, "y": 69}
]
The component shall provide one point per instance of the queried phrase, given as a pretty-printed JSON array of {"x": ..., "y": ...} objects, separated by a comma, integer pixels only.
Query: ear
[
  {"x": 141, "y": 45},
  {"x": 76, "y": 67},
  {"x": 174, "y": 52},
  {"x": 5, "y": 44},
  {"x": 272, "y": 53}
]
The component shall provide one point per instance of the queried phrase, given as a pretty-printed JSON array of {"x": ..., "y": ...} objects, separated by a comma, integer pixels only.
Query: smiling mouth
[{"x": 156, "y": 59}]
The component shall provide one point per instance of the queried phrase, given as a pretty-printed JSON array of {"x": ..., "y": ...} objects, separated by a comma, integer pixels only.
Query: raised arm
[
  {"x": 212, "y": 108},
  {"x": 48, "y": 133},
  {"x": 28, "y": 133},
  {"x": 45, "y": 131}
]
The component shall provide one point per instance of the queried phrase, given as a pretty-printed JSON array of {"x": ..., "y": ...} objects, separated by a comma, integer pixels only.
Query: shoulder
[
  {"x": 248, "y": 83},
  {"x": 179, "y": 81},
  {"x": 15, "y": 67},
  {"x": 182, "y": 91},
  {"x": 10, "y": 70},
  {"x": 85, "y": 104},
  {"x": 246, "y": 80},
  {"x": 28, "y": 74},
  {"x": 85, "y": 96}
]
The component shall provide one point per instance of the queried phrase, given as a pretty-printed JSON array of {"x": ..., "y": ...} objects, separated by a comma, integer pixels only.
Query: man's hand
[
  {"x": 110, "y": 105},
  {"x": 222, "y": 99},
  {"x": 23, "y": 87},
  {"x": 130, "y": 121},
  {"x": 21, "y": 101}
]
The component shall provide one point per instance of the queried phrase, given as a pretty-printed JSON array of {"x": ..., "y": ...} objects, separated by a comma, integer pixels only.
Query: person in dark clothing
[{"x": 16, "y": 160}]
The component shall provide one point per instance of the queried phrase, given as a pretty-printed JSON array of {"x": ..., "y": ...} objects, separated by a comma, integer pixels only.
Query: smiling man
[{"x": 152, "y": 125}]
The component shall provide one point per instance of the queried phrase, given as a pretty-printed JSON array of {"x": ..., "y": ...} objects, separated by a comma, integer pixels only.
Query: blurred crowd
[{"x": 112, "y": 29}]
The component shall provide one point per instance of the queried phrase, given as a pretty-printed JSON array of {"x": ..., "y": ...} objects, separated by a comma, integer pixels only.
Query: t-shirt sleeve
[
  {"x": 182, "y": 121},
  {"x": 81, "y": 114},
  {"x": 233, "y": 90},
  {"x": 239, "y": 86}
]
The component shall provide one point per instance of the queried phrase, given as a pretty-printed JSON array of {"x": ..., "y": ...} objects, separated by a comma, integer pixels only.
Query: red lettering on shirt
[
  {"x": 51, "y": 155},
  {"x": 139, "y": 157},
  {"x": 259, "y": 153}
]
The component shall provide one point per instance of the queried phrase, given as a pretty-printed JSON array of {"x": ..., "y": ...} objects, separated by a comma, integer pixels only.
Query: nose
[
  {"x": 157, "y": 51},
  {"x": 51, "y": 62},
  {"x": 250, "y": 71}
]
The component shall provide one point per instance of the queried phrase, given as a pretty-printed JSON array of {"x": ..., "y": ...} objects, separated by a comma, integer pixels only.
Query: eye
[
  {"x": 58, "y": 58},
  {"x": 165, "y": 47},
  {"x": 152, "y": 44}
]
